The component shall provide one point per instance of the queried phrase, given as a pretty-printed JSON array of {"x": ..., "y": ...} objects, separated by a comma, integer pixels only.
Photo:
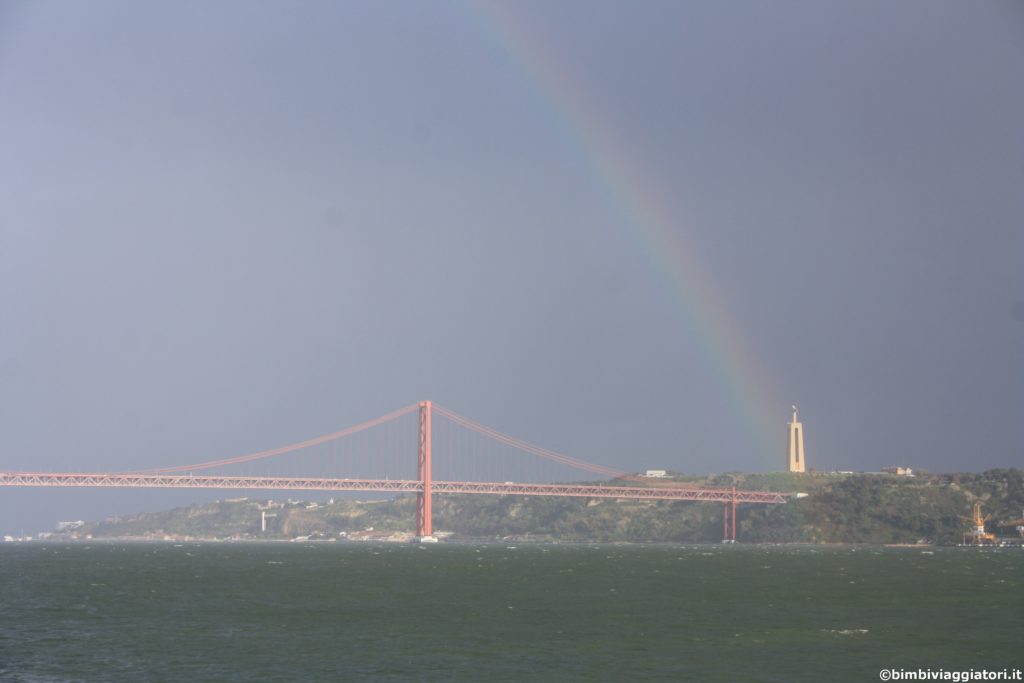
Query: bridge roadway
[{"x": 189, "y": 481}]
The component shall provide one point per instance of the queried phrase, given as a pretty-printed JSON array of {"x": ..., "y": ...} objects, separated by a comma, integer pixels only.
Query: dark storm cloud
[{"x": 228, "y": 227}]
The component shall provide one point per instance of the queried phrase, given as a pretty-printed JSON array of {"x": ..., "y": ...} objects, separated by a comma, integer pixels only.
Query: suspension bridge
[{"x": 475, "y": 459}]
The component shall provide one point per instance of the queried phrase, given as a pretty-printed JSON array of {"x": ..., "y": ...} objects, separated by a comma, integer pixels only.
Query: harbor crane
[{"x": 978, "y": 534}]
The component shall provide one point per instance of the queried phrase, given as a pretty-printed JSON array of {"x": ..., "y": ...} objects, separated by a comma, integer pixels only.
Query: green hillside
[{"x": 857, "y": 508}]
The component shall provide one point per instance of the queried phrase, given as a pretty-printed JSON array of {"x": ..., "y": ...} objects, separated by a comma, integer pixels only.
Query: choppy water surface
[{"x": 220, "y": 612}]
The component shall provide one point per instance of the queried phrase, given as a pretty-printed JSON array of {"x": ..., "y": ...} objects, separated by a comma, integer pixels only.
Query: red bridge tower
[{"x": 424, "y": 526}]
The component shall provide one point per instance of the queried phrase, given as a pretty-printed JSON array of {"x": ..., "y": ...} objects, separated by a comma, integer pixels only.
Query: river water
[{"x": 333, "y": 612}]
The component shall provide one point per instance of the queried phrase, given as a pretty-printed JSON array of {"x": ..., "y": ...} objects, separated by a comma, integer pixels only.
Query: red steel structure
[
  {"x": 424, "y": 486},
  {"x": 191, "y": 481},
  {"x": 424, "y": 514},
  {"x": 729, "y": 515}
]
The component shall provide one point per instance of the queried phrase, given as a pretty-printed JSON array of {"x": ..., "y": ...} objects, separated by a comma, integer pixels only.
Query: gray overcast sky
[{"x": 230, "y": 226}]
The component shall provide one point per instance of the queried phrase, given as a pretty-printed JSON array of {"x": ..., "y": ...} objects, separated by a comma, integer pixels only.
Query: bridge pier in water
[{"x": 729, "y": 519}]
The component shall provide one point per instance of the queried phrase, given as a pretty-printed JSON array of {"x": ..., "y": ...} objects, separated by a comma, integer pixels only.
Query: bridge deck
[{"x": 44, "y": 479}]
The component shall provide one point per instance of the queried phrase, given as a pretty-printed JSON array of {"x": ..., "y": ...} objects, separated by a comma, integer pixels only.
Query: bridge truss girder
[{"x": 189, "y": 481}]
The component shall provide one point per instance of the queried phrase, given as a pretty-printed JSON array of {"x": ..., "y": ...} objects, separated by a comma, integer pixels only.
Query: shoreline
[{"x": 135, "y": 540}]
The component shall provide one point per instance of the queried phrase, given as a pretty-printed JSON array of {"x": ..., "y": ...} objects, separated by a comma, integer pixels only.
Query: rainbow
[{"x": 660, "y": 236}]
